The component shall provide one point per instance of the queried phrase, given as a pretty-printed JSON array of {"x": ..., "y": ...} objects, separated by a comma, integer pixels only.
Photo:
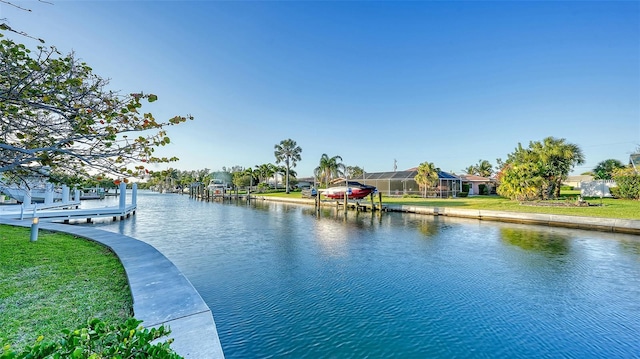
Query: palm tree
[
  {"x": 264, "y": 172},
  {"x": 427, "y": 176},
  {"x": 604, "y": 169},
  {"x": 558, "y": 158},
  {"x": 172, "y": 176},
  {"x": 287, "y": 151},
  {"x": 483, "y": 169},
  {"x": 251, "y": 174},
  {"x": 329, "y": 168},
  {"x": 280, "y": 170},
  {"x": 471, "y": 170}
]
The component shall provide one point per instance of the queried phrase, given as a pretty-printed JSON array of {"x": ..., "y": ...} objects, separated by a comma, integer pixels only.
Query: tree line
[{"x": 537, "y": 172}]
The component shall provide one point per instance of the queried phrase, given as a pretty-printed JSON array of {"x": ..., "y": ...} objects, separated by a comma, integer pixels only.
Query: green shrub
[
  {"x": 483, "y": 189},
  {"x": 463, "y": 194},
  {"x": 465, "y": 187},
  {"x": 615, "y": 192},
  {"x": 566, "y": 188},
  {"x": 101, "y": 340},
  {"x": 628, "y": 183}
]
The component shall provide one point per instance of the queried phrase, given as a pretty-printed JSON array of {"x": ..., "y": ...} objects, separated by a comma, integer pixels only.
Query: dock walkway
[{"x": 69, "y": 209}]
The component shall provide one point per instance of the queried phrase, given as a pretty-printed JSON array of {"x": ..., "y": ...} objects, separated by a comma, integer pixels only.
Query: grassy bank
[
  {"x": 55, "y": 283},
  {"x": 610, "y": 208}
]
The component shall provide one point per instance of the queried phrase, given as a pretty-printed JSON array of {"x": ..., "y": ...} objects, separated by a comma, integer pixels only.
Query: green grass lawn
[
  {"x": 55, "y": 283},
  {"x": 611, "y": 208}
]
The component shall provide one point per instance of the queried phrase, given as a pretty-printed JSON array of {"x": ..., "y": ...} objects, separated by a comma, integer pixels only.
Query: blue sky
[{"x": 445, "y": 82}]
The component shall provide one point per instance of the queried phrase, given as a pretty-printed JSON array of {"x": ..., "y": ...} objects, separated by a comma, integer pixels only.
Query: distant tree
[
  {"x": 470, "y": 170},
  {"x": 56, "y": 113},
  {"x": 354, "y": 172},
  {"x": 604, "y": 170},
  {"x": 251, "y": 174},
  {"x": 241, "y": 179},
  {"x": 537, "y": 172},
  {"x": 329, "y": 168},
  {"x": 279, "y": 170},
  {"x": 170, "y": 178},
  {"x": 288, "y": 152},
  {"x": 273, "y": 172},
  {"x": 427, "y": 177},
  {"x": 559, "y": 157},
  {"x": 203, "y": 175},
  {"x": 483, "y": 168},
  {"x": 264, "y": 171}
]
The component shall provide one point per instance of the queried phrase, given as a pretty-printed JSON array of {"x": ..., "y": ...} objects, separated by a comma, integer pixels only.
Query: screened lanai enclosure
[{"x": 401, "y": 183}]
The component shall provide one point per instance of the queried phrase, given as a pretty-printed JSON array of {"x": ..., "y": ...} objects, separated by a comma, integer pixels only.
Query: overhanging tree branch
[{"x": 55, "y": 112}]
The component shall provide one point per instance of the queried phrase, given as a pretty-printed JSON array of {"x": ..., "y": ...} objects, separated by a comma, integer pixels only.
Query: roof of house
[
  {"x": 474, "y": 178},
  {"x": 579, "y": 178},
  {"x": 409, "y": 174}
]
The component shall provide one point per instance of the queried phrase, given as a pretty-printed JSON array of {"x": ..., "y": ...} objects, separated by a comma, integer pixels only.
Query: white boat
[{"x": 217, "y": 187}]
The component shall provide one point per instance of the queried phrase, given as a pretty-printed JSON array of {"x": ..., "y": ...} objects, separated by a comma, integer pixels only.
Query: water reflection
[
  {"x": 631, "y": 246},
  {"x": 286, "y": 281},
  {"x": 429, "y": 226},
  {"x": 537, "y": 241}
]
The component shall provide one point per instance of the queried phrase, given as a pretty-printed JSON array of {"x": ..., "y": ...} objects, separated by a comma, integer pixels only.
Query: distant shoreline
[{"x": 616, "y": 225}]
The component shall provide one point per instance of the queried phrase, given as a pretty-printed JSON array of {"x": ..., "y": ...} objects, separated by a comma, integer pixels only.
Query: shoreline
[
  {"x": 161, "y": 294},
  {"x": 615, "y": 225}
]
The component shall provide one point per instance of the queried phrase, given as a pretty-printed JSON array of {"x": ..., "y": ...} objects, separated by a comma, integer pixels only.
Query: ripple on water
[{"x": 283, "y": 283}]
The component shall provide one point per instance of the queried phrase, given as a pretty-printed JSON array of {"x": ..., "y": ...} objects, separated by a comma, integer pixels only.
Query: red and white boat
[{"x": 355, "y": 190}]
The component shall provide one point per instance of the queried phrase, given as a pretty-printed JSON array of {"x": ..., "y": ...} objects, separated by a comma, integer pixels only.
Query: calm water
[{"x": 282, "y": 282}]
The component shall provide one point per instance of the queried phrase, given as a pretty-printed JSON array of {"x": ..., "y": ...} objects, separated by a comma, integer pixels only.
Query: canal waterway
[{"x": 285, "y": 282}]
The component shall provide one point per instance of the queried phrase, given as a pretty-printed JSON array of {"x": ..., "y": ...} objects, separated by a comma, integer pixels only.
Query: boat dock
[
  {"x": 359, "y": 206},
  {"x": 69, "y": 209},
  {"x": 204, "y": 193}
]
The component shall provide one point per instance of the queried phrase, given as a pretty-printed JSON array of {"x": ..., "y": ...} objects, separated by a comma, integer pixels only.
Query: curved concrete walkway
[
  {"x": 593, "y": 223},
  {"x": 162, "y": 295}
]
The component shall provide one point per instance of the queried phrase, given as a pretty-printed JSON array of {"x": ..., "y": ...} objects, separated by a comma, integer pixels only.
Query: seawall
[
  {"x": 162, "y": 295},
  {"x": 618, "y": 225}
]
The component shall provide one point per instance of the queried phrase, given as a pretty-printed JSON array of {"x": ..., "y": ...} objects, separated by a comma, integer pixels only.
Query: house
[
  {"x": 305, "y": 182},
  {"x": 476, "y": 182},
  {"x": 400, "y": 183},
  {"x": 576, "y": 181}
]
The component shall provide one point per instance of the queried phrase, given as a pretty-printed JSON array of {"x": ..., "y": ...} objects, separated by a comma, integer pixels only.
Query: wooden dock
[
  {"x": 358, "y": 206},
  {"x": 201, "y": 192},
  {"x": 68, "y": 214}
]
